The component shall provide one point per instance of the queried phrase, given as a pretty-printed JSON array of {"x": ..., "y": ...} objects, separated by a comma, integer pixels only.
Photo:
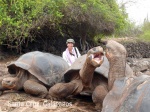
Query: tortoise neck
[
  {"x": 22, "y": 77},
  {"x": 86, "y": 74},
  {"x": 117, "y": 69}
]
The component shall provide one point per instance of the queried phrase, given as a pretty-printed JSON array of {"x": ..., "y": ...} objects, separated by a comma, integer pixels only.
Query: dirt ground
[{"x": 14, "y": 101}]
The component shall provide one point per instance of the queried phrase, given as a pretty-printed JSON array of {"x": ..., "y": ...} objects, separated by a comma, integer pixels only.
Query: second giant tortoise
[
  {"x": 35, "y": 72},
  {"x": 87, "y": 75}
]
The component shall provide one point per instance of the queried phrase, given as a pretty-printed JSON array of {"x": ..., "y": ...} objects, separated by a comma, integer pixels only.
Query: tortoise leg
[
  {"x": 35, "y": 88},
  {"x": 98, "y": 96},
  {"x": 63, "y": 90}
]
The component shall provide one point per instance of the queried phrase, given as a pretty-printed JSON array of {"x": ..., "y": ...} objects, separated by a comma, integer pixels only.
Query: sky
[{"x": 137, "y": 10}]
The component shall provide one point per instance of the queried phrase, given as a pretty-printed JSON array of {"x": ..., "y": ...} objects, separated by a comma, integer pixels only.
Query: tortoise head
[
  {"x": 114, "y": 50},
  {"x": 95, "y": 56},
  {"x": 15, "y": 82},
  {"x": 10, "y": 82}
]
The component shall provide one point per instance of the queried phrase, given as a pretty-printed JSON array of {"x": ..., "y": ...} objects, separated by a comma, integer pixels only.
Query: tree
[
  {"x": 145, "y": 35},
  {"x": 23, "y": 22}
]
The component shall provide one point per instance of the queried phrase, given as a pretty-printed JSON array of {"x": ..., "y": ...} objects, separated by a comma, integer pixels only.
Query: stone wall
[{"x": 137, "y": 49}]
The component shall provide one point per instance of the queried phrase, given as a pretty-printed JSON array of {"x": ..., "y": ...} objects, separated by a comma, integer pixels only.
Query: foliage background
[
  {"x": 145, "y": 28},
  {"x": 27, "y": 25}
]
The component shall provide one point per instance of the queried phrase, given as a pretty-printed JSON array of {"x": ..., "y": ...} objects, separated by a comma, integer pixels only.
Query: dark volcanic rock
[{"x": 137, "y": 49}]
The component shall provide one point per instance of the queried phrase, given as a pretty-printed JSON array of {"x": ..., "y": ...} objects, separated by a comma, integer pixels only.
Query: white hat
[{"x": 70, "y": 40}]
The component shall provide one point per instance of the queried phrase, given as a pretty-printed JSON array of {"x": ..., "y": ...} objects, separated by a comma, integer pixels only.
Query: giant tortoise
[
  {"x": 86, "y": 77},
  {"x": 35, "y": 72},
  {"x": 127, "y": 94}
]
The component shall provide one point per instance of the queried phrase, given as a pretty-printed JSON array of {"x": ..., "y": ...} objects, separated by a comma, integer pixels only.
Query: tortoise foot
[
  {"x": 98, "y": 107},
  {"x": 54, "y": 98},
  {"x": 36, "y": 88}
]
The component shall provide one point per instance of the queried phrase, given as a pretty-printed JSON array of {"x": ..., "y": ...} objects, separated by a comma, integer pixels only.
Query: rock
[
  {"x": 139, "y": 65},
  {"x": 137, "y": 49}
]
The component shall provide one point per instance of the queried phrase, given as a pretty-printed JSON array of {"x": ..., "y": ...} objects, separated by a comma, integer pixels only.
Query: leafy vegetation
[
  {"x": 24, "y": 22},
  {"x": 145, "y": 35}
]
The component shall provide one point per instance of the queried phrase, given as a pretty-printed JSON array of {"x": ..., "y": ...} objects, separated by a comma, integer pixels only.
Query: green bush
[
  {"x": 22, "y": 21},
  {"x": 145, "y": 31},
  {"x": 145, "y": 36}
]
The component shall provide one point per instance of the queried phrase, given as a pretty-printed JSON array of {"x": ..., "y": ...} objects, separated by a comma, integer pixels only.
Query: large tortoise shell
[{"x": 46, "y": 67}]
